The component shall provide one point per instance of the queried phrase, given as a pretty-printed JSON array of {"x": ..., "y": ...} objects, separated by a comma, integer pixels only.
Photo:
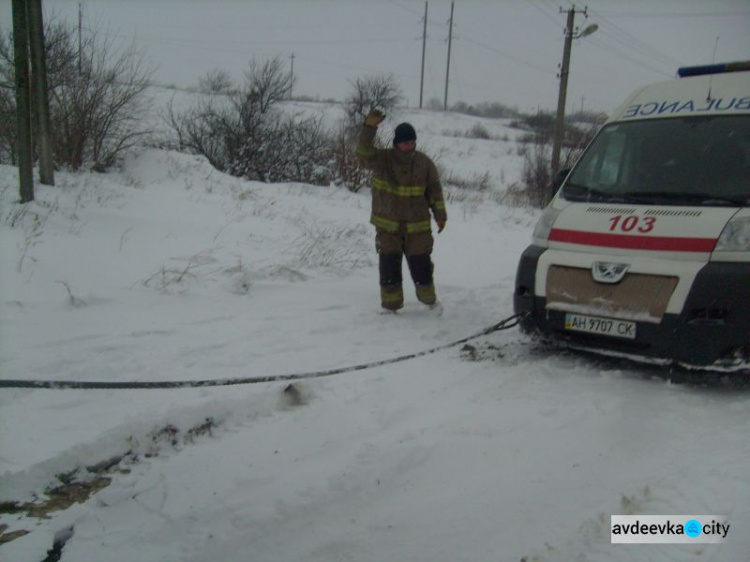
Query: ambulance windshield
[{"x": 697, "y": 161}]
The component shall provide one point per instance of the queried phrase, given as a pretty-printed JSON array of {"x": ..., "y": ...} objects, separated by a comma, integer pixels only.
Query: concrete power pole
[
  {"x": 80, "y": 37},
  {"x": 448, "y": 65},
  {"x": 424, "y": 49},
  {"x": 23, "y": 101},
  {"x": 570, "y": 34},
  {"x": 40, "y": 91},
  {"x": 291, "y": 78},
  {"x": 564, "y": 71}
]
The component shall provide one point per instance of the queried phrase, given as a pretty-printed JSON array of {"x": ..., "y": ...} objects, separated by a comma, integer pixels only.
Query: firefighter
[{"x": 405, "y": 188}]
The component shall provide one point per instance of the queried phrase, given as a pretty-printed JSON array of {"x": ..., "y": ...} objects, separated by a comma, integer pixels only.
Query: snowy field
[{"x": 501, "y": 450}]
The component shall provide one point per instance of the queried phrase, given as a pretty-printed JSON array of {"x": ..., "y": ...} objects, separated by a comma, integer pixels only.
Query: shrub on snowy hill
[
  {"x": 241, "y": 132},
  {"x": 96, "y": 98},
  {"x": 246, "y": 133}
]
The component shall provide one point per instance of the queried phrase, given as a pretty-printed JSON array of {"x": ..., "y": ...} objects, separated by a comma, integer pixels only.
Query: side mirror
[{"x": 559, "y": 179}]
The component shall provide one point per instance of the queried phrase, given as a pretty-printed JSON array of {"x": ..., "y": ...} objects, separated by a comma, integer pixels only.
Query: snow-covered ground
[{"x": 501, "y": 450}]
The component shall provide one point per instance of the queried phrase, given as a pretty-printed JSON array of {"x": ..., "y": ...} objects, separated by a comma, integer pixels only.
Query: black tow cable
[{"x": 506, "y": 324}]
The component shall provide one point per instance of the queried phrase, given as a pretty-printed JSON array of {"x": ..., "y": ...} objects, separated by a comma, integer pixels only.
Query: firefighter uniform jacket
[{"x": 405, "y": 187}]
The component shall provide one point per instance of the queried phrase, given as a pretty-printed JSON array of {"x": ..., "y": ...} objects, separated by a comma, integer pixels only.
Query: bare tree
[
  {"x": 348, "y": 169},
  {"x": 240, "y": 133},
  {"x": 537, "y": 163},
  {"x": 98, "y": 110},
  {"x": 96, "y": 97},
  {"x": 61, "y": 56},
  {"x": 371, "y": 92},
  {"x": 368, "y": 93},
  {"x": 7, "y": 126},
  {"x": 216, "y": 81},
  {"x": 536, "y": 171},
  {"x": 269, "y": 81},
  {"x": 218, "y": 128}
]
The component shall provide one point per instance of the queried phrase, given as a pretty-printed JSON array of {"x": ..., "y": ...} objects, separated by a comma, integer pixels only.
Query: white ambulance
[{"x": 645, "y": 249}]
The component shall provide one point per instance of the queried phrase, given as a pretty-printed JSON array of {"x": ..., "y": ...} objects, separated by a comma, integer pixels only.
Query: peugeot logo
[{"x": 608, "y": 272}]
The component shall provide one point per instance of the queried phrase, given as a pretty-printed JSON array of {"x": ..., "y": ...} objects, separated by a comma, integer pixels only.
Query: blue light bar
[{"x": 720, "y": 68}]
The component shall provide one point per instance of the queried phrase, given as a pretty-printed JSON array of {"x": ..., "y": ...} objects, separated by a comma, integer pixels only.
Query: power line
[
  {"x": 345, "y": 65},
  {"x": 632, "y": 59},
  {"x": 546, "y": 14},
  {"x": 510, "y": 57},
  {"x": 404, "y": 8},
  {"x": 628, "y": 40},
  {"x": 683, "y": 15},
  {"x": 222, "y": 45},
  {"x": 413, "y": 12}
]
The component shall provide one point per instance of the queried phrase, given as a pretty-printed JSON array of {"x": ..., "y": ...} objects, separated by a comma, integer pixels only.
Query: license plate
[{"x": 603, "y": 326}]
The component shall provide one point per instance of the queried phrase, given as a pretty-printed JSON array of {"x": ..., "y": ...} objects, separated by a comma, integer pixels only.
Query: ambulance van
[{"x": 645, "y": 249}]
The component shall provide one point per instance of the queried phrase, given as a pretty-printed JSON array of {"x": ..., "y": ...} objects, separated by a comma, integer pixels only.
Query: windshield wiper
[
  {"x": 685, "y": 198},
  {"x": 577, "y": 192}
]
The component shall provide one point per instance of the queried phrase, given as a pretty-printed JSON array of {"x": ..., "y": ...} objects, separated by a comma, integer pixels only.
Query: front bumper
[{"x": 713, "y": 328}]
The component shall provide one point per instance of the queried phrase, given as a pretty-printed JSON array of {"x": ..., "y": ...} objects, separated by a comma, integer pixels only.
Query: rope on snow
[{"x": 506, "y": 324}]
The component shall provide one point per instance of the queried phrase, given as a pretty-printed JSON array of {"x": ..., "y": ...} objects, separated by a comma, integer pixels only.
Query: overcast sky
[{"x": 507, "y": 51}]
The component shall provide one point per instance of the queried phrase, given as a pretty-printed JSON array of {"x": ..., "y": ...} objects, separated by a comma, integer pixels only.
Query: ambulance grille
[
  {"x": 671, "y": 213},
  {"x": 610, "y": 209},
  {"x": 639, "y": 297},
  {"x": 649, "y": 212}
]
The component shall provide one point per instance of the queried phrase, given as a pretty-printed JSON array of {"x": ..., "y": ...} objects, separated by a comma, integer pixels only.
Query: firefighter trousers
[{"x": 391, "y": 248}]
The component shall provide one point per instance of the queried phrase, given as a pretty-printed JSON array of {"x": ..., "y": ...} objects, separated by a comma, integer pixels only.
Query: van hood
[{"x": 688, "y": 233}]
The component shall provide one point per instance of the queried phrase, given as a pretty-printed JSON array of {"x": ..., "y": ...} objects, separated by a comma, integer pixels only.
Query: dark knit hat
[{"x": 404, "y": 132}]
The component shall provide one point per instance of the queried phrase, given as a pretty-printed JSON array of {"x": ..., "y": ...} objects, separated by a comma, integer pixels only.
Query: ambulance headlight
[
  {"x": 735, "y": 237},
  {"x": 545, "y": 223}
]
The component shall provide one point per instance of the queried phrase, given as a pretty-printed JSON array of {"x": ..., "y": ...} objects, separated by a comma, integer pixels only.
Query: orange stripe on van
[{"x": 632, "y": 242}]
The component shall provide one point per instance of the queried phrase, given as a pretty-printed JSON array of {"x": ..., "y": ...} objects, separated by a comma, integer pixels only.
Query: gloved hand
[
  {"x": 374, "y": 118},
  {"x": 441, "y": 226}
]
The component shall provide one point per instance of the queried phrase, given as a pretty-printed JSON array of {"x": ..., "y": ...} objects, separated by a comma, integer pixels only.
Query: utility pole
[
  {"x": 23, "y": 101},
  {"x": 570, "y": 34},
  {"x": 448, "y": 65},
  {"x": 40, "y": 91},
  {"x": 564, "y": 71},
  {"x": 291, "y": 80},
  {"x": 424, "y": 48},
  {"x": 80, "y": 37}
]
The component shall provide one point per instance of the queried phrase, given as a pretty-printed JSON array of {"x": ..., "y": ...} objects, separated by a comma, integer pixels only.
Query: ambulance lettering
[
  {"x": 632, "y": 222},
  {"x": 677, "y": 107},
  {"x": 632, "y": 232}
]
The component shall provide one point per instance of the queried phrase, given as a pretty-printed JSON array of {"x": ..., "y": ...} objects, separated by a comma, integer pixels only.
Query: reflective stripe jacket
[{"x": 405, "y": 186}]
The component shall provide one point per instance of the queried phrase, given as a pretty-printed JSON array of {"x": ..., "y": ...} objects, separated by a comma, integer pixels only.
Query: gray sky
[{"x": 507, "y": 51}]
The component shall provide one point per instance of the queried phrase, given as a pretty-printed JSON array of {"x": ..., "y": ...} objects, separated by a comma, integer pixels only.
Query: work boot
[
  {"x": 391, "y": 297},
  {"x": 426, "y": 294}
]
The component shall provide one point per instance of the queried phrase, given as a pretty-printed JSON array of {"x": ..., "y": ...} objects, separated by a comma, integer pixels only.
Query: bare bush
[
  {"x": 368, "y": 93},
  {"x": 434, "y": 104},
  {"x": 241, "y": 133},
  {"x": 217, "y": 128},
  {"x": 97, "y": 113},
  {"x": 347, "y": 169},
  {"x": 477, "y": 182},
  {"x": 268, "y": 82},
  {"x": 59, "y": 55},
  {"x": 537, "y": 158},
  {"x": 492, "y": 110},
  {"x": 7, "y": 127},
  {"x": 289, "y": 149},
  {"x": 478, "y": 131},
  {"x": 216, "y": 82},
  {"x": 537, "y": 153},
  {"x": 371, "y": 92},
  {"x": 96, "y": 97}
]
